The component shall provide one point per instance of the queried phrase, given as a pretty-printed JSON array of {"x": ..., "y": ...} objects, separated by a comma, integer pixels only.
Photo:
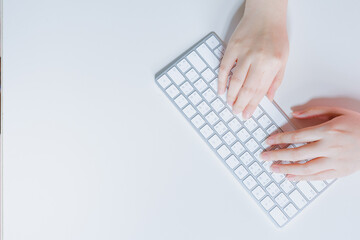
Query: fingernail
[
  {"x": 297, "y": 113},
  {"x": 246, "y": 115},
  {"x": 275, "y": 169},
  {"x": 264, "y": 156},
  {"x": 291, "y": 177},
  {"x": 269, "y": 140}
]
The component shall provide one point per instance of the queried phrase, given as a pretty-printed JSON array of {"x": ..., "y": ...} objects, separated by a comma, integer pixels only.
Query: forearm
[{"x": 271, "y": 11}]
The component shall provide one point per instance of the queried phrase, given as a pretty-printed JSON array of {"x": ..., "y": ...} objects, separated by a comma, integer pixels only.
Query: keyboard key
[
  {"x": 255, "y": 169},
  {"x": 238, "y": 148},
  {"x": 250, "y": 124},
  {"x": 164, "y": 81},
  {"x": 189, "y": 111},
  {"x": 229, "y": 138},
  {"x": 209, "y": 95},
  {"x": 276, "y": 115},
  {"x": 206, "y": 131},
  {"x": 267, "y": 203},
  {"x": 226, "y": 114},
  {"x": 212, "y": 42},
  {"x": 319, "y": 185},
  {"x": 221, "y": 49},
  {"x": 203, "y": 108},
  {"x": 282, "y": 200},
  {"x": 265, "y": 145},
  {"x": 257, "y": 112},
  {"x": 241, "y": 172},
  {"x": 181, "y": 101},
  {"x": 196, "y": 61},
  {"x": 257, "y": 155},
  {"x": 259, "y": 134},
  {"x": 234, "y": 125},
  {"x": 214, "y": 84},
  {"x": 298, "y": 199},
  {"x": 290, "y": 210},
  {"x": 208, "y": 75},
  {"x": 264, "y": 121},
  {"x": 252, "y": 145},
  {"x": 183, "y": 65},
  {"x": 273, "y": 189},
  {"x": 176, "y": 76},
  {"x": 215, "y": 141},
  {"x": 218, "y": 54},
  {"x": 306, "y": 189},
  {"x": 232, "y": 162},
  {"x": 267, "y": 166},
  {"x": 272, "y": 130},
  {"x": 212, "y": 118},
  {"x": 287, "y": 186},
  {"x": 249, "y": 182},
  {"x": 172, "y": 91},
  {"x": 264, "y": 179},
  {"x": 246, "y": 158},
  {"x": 329, "y": 180},
  {"x": 195, "y": 98},
  {"x": 243, "y": 135},
  {"x": 278, "y": 177},
  {"x": 258, "y": 192},
  {"x": 192, "y": 75},
  {"x": 208, "y": 56},
  {"x": 220, "y": 128},
  {"x": 198, "y": 121},
  {"x": 217, "y": 104},
  {"x": 278, "y": 216},
  {"x": 200, "y": 85},
  {"x": 298, "y": 145},
  {"x": 186, "y": 88},
  {"x": 223, "y": 151}
]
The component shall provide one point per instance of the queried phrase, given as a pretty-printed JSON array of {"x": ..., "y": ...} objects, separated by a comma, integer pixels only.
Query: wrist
[{"x": 267, "y": 12}]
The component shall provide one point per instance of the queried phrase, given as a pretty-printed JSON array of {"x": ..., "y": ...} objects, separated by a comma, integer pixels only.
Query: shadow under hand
[
  {"x": 234, "y": 21},
  {"x": 342, "y": 102}
]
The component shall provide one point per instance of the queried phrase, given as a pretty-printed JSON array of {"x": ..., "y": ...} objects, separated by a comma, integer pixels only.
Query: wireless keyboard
[{"x": 190, "y": 82}]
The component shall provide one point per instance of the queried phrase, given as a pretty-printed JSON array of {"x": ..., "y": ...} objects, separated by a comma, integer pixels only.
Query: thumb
[{"x": 318, "y": 111}]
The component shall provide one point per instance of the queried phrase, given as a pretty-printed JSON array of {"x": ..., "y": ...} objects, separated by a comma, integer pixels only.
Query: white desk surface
[{"x": 94, "y": 150}]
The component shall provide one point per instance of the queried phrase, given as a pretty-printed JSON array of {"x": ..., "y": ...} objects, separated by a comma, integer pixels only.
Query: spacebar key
[{"x": 276, "y": 115}]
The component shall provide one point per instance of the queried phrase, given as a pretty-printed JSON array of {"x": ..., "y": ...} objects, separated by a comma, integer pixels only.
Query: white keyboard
[{"x": 190, "y": 82}]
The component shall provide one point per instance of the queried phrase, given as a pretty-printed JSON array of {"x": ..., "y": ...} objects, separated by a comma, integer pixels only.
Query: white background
[{"x": 94, "y": 150}]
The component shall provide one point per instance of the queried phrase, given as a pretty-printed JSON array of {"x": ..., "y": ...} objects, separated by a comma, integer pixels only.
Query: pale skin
[
  {"x": 333, "y": 146},
  {"x": 259, "y": 49},
  {"x": 257, "y": 54}
]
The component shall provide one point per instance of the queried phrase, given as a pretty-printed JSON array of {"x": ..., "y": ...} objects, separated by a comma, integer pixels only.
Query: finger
[
  {"x": 275, "y": 84},
  {"x": 248, "y": 90},
  {"x": 318, "y": 111},
  {"x": 254, "y": 102},
  {"x": 227, "y": 63},
  {"x": 324, "y": 175},
  {"x": 314, "y": 166},
  {"x": 309, "y": 134},
  {"x": 236, "y": 81},
  {"x": 308, "y": 151}
]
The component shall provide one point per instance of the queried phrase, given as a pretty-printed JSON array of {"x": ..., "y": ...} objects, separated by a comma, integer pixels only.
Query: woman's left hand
[{"x": 333, "y": 146}]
